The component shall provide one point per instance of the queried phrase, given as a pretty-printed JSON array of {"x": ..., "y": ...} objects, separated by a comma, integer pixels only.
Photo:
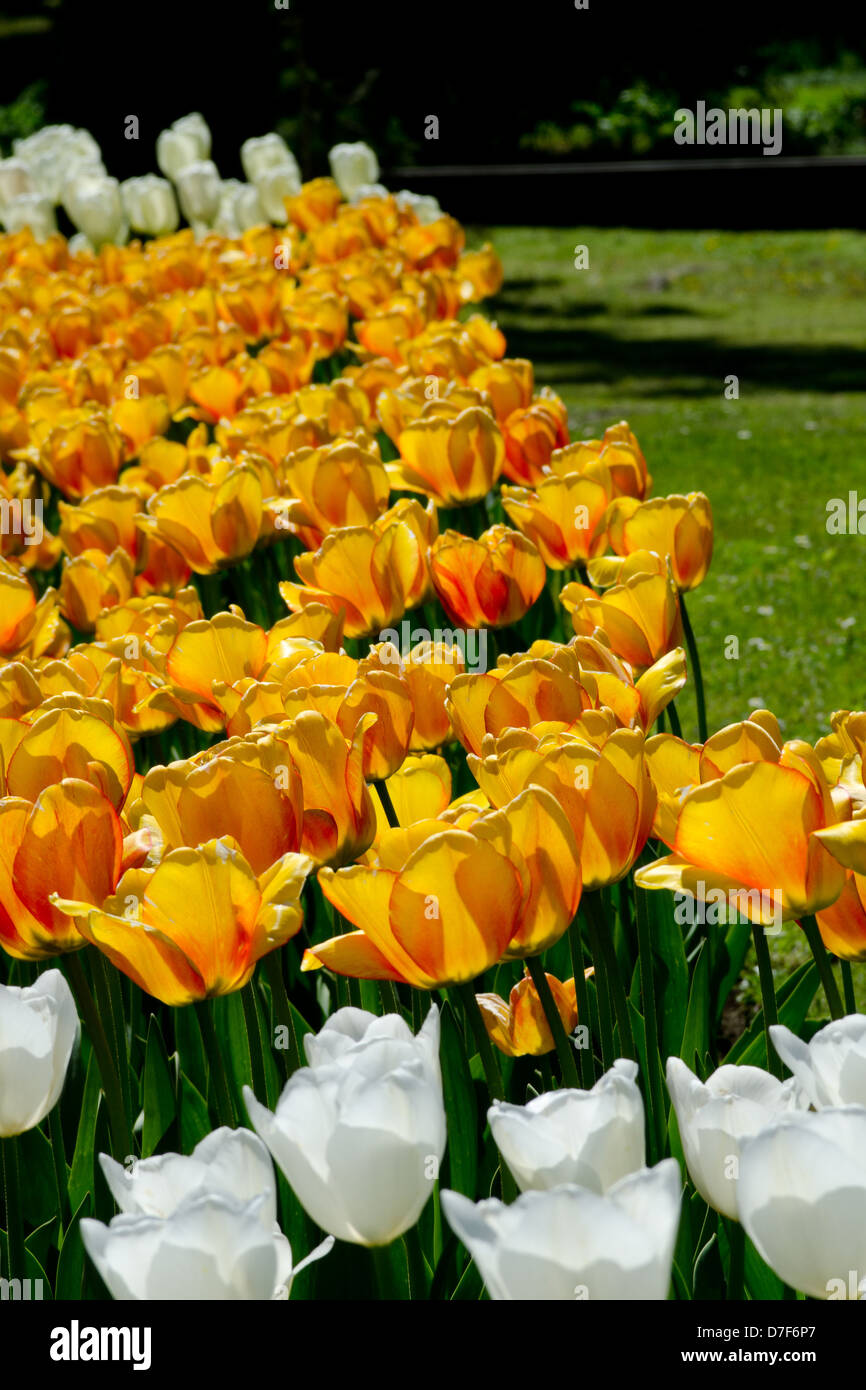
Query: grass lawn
[{"x": 649, "y": 332}]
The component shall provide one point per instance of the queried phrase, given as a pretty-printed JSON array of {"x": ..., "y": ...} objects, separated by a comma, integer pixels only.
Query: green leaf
[
  {"x": 159, "y": 1096},
  {"x": 709, "y": 1275},
  {"x": 760, "y": 1280},
  {"x": 696, "y": 1033},
  {"x": 189, "y": 1046},
  {"x": 729, "y": 964},
  {"x": 651, "y": 1081},
  {"x": 36, "y": 1176},
  {"x": 82, "y": 1178},
  {"x": 671, "y": 971},
  {"x": 194, "y": 1118},
  {"x": 33, "y": 1270},
  {"x": 70, "y": 1266},
  {"x": 792, "y": 1000},
  {"x": 460, "y": 1107}
]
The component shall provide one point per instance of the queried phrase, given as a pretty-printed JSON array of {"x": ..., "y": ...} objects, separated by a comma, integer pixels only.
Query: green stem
[
  {"x": 58, "y": 1155},
  {"x": 692, "y": 646},
  {"x": 121, "y": 1133},
  {"x": 254, "y": 1037},
  {"x": 648, "y": 998},
  {"x": 291, "y": 1057},
  {"x": 768, "y": 995},
  {"x": 848, "y": 987},
  {"x": 389, "y": 1292},
  {"x": 16, "y": 1265},
  {"x": 676, "y": 726},
  {"x": 601, "y": 934},
  {"x": 109, "y": 1001},
  {"x": 822, "y": 960},
  {"x": 222, "y": 1095},
  {"x": 388, "y": 995},
  {"x": 387, "y": 805},
  {"x": 737, "y": 1241},
  {"x": 586, "y": 1060},
  {"x": 564, "y": 1052},
  {"x": 492, "y": 1074},
  {"x": 418, "y": 1288}
]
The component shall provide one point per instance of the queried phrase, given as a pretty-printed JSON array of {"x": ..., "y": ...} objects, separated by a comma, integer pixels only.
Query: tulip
[
  {"x": 212, "y": 1246},
  {"x": 831, "y": 1067},
  {"x": 640, "y": 616},
  {"x": 715, "y": 1118},
  {"x": 38, "y": 1030},
  {"x": 679, "y": 527},
  {"x": 439, "y": 907},
  {"x": 564, "y": 516},
  {"x": 519, "y": 1027},
  {"x": 802, "y": 1200},
  {"x": 590, "y": 1138},
  {"x": 198, "y": 189},
  {"x": 94, "y": 581},
  {"x": 453, "y": 461},
  {"x": 489, "y": 582},
  {"x": 196, "y": 925},
  {"x": 51, "y": 152},
  {"x": 150, "y": 205},
  {"x": 531, "y": 436},
  {"x": 97, "y": 210},
  {"x": 185, "y": 141},
  {"x": 264, "y": 152},
  {"x": 572, "y": 1243},
  {"x": 339, "y": 485},
  {"x": 211, "y": 524},
  {"x": 423, "y": 205},
  {"x": 30, "y": 210},
  {"x": 15, "y": 180},
  {"x": 27, "y": 626},
  {"x": 353, "y": 165},
  {"x": 274, "y": 185},
  {"x": 753, "y": 833},
  {"x": 843, "y": 924},
  {"x": 360, "y": 1131}
]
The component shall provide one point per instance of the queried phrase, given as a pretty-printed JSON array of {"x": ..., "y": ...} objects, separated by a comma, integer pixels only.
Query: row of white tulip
[
  {"x": 62, "y": 166},
  {"x": 361, "y": 1130}
]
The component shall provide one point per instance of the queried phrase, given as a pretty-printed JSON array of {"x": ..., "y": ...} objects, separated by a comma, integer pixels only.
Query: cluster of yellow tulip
[{"x": 323, "y": 392}]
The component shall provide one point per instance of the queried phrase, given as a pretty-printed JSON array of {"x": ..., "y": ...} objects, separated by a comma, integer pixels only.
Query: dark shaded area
[{"x": 328, "y": 72}]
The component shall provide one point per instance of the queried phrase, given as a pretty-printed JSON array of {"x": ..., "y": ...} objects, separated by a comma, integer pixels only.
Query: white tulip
[
  {"x": 213, "y": 1246},
  {"x": 80, "y": 179},
  {"x": 264, "y": 152},
  {"x": 52, "y": 152},
  {"x": 15, "y": 180},
  {"x": 186, "y": 141},
  {"x": 590, "y": 1138},
  {"x": 715, "y": 1116},
  {"x": 353, "y": 165},
  {"x": 38, "y": 1030},
  {"x": 369, "y": 190},
  {"x": 150, "y": 205},
  {"x": 33, "y": 211},
  {"x": 96, "y": 209},
  {"x": 240, "y": 207},
  {"x": 198, "y": 188},
  {"x": 425, "y": 207},
  {"x": 570, "y": 1243},
  {"x": 360, "y": 1131},
  {"x": 274, "y": 185},
  {"x": 234, "y": 1162},
  {"x": 802, "y": 1197},
  {"x": 831, "y": 1068}
]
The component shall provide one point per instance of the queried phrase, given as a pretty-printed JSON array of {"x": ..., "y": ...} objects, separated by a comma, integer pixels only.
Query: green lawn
[{"x": 649, "y": 332}]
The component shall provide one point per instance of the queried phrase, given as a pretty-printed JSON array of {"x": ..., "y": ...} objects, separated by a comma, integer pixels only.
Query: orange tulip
[
  {"x": 92, "y": 582},
  {"x": 439, "y": 908},
  {"x": 519, "y": 1027},
  {"x": 196, "y": 925},
  {"x": 565, "y": 516},
  {"x": 640, "y": 616},
  {"x": 27, "y": 626},
  {"x": 488, "y": 582},
  {"x": 81, "y": 452},
  {"x": 68, "y": 841},
  {"x": 210, "y": 524},
  {"x": 532, "y": 433},
  {"x": 843, "y": 924},
  {"x": 105, "y": 521},
  {"x": 756, "y": 832},
  {"x": 679, "y": 527},
  {"x": 333, "y": 487},
  {"x": 451, "y": 460}
]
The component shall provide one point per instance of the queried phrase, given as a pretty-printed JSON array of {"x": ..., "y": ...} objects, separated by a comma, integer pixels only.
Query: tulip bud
[
  {"x": 571, "y": 1243},
  {"x": 184, "y": 142},
  {"x": 425, "y": 207},
  {"x": 831, "y": 1067},
  {"x": 369, "y": 190},
  {"x": 264, "y": 152},
  {"x": 276, "y": 184},
  {"x": 15, "y": 180},
  {"x": 30, "y": 210},
  {"x": 50, "y": 154},
  {"x": 150, "y": 205},
  {"x": 196, "y": 126},
  {"x": 240, "y": 208},
  {"x": 98, "y": 211},
  {"x": 38, "y": 1030},
  {"x": 592, "y": 1138},
  {"x": 393, "y": 1124},
  {"x": 353, "y": 165},
  {"x": 198, "y": 188}
]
